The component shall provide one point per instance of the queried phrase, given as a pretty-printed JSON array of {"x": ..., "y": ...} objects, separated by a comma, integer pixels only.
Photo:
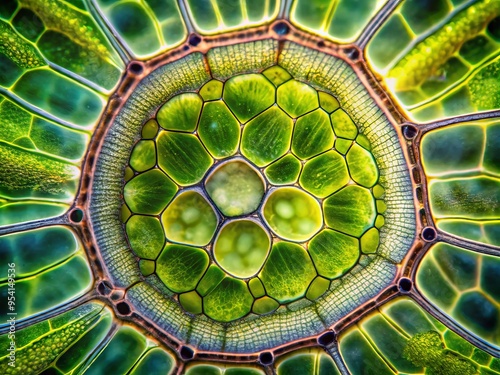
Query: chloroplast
[
  {"x": 241, "y": 247},
  {"x": 292, "y": 214}
]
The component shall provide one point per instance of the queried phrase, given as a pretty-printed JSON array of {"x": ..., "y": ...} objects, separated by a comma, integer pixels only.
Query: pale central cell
[
  {"x": 292, "y": 214},
  {"x": 236, "y": 188},
  {"x": 241, "y": 247}
]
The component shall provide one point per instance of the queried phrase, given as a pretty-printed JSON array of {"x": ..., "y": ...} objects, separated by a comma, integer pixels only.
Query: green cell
[
  {"x": 362, "y": 166},
  {"x": 212, "y": 90},
  {"x": 277, "y": 75},
  {"x": 307, "y": 362},
  {"x": 312, "y": 134},
  {"x": 12, "y": 213},
  {"x": 204, "y": 370},
  {"x": 230, "y": 300},
  {"x": 292, "y": 214},
  {"x": 147, "y": 267},
  {"x": 342, "y": 145},
  {"x": 328, "y": 102},
  {"x": 191, "y": 302},
  {"x": 241, "y": 248},
  {"x": 265, "y": 305},
  {"x": 284, "y": 171},
  {"x": 180, "y": 267},
  {"x": 317, "y": 288},
  {"x": 287, "y": 272},
  {"x": 256, "y": 287},
  {"x": 180, "y": 112},
  {"x": 491, "y": 158},
  {"x": 149, "y": 192},
  {"x": 452, "y": 149},
  {"x": 236, "y": 188},
  {"x": 189, "y": 219},
  {"x": 247, "y": 95},
  {"x": 370, "y": 241},
  {"x": 150, "y": 129},
  {"x": 210, "y": 280},
  {"x": 297, "y": 98},
  {"x": 267, "y": 137},
  {"x": 343, "y": 126},
  {"x": 333, "y": 253},
  {"x": 219, "y": 130},
  {"x": 129, "y": 173},
  {"x": 28, "y": 24},
  {"x": 155, "y": 362},
  {"x": 351, "y": 210},
  {"x": 120, "y": 354},
  {"x": 182, "y": 157},
  {"x": 143, "y": 156},
  {"x": 482, "y": 198},
  {"x": 324, "y": 174},
  {"x": 145, "y": 235}
]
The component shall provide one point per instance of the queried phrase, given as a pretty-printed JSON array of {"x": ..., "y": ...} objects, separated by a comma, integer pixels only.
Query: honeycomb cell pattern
[{"x": 251, "y": 193}]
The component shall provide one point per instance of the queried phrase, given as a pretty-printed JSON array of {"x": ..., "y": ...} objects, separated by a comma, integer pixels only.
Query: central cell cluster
[{"x": 250, "y": 194}]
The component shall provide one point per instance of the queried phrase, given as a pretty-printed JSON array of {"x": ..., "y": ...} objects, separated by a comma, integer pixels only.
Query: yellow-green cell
[
  {"x": 324, "y": 174},
  {"x": 221, "y": 369},
  {"x": 191, "y": 302},
  {"x": 161, "y": 25},
  {"x": 264, "y": 305},
  {"x": 180, "y": 112},
  {"x": 351, "y": 210},
  {"x": 343, "y": 126},
  {"x": 241, "y": 247},
  {"x": 362, "y": 167},
  {"x": 284, "y": 171},
  {"x": 287, "y": 272},
  {"x": 212, "y": 90},
  {"x": 145, "y": 235},
  {"x": 340, "y": 20},
  {"x": 247, "y": 95},
  {"x": 210, "y": 280},
  {"x": 236, "y": 188},
  {"x": 219, "y": 130},
  {"x": 307, "y": 362},
  {"x": 292, "y": 213},
  {"x": 149, "y": 192},
  {"x": 189, "y": 219},
  {"x": 297, "y": 98},
  {"x": 181, "y": 267},
  {"x": 267, "y": 137},
  {"x": 143, "y": 156},
  {"x": 402, "y": 338},
  {"x": 462, "y": 284},
  {"x": 182, "y": 157},
  {"x": 229, "y": 301},
  {"x": 333, "y": 253},
  {"x": 277, "y": 75},
  {"x": 312, "y": 134}
]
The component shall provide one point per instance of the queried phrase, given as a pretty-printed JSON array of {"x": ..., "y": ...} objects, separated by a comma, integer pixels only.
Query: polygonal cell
[
  {"x": 317, "y": 288},
  {"x": 328, "y": 102},
  {"x": 241, "y": 247},
  {"x": 210, "y": 280},
  {"x": 324, "y": 174},
  {"x": 362, "y": 166},
  {"x": 267, "y": 136},
  {"x": 264, "y": 305},
  {"x": 478, "y": 313},
  {"x": 191, "y": 302},
  {"x": 284, "y": 171},
  {"x": 149, "y": 192},
  {"x": 236, "y": 188},
  {"x": 256, "y": 287},
  {"x": 287, "y": 272},
  {"x": 189, "y": 219},
  {"x": 343, "y": 126},
  {"x": 212, "y": 90},
  {"x": 342, "y": 145},
  {"x": 307, "y": 362},
  {"x": 181, "y": 112},
  {"x": 370, "y": 241},
  {"x": 247, "y": 95},
  {"x": 147, "y": 266},
  {"x": 277, "y": 75},
  {"x": 182, "y": 157},
  {"x": 351, "y": 210},
  {"x": 145, "y": 235},
  {"x": 150, "y": 129},
  {"x": 230, "y": 300},
  {"x": 297, "y": 98},
  {"x": 333, "y": 253},
  {"x": 292, "y": 214},
  {"x": 180, "y": 267},
  {"x": 143, "y": 156},
  {"x": 312, "y": 134}
]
